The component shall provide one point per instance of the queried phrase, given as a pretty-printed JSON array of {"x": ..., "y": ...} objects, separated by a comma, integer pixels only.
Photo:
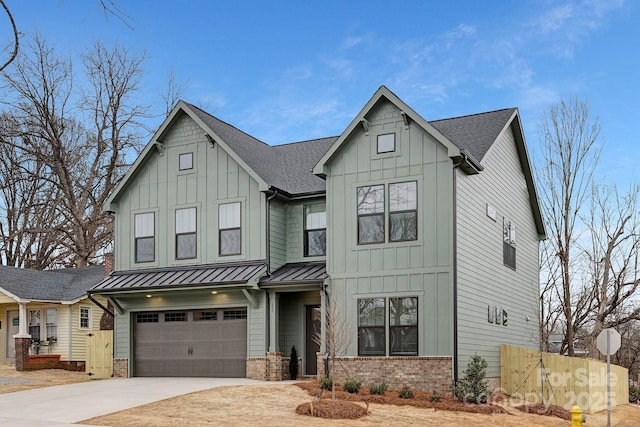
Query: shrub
[
  {"x": 435, "y": 397},
  {"x": 378, "y": 388},
  {"x": 405, "y": 393},
  {"x": 473, "y": 387},
  {"x": 326, "y": 383},
  {"x": 352, "y": 386},
  {"x": 293, "y": 364},
  {"x": 634, "y": 393}
]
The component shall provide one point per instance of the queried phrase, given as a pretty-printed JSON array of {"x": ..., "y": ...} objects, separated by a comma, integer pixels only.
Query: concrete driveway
[{"x": 66, "y": 404}]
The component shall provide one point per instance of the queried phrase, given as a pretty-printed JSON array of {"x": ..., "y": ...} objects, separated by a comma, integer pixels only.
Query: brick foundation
[
  {"x": 417, "y": 372},
  {"x": 257, "y": 368},
  {"x": 285, "y": 368},
  {"x": 121, "y": 368},
  {"x": 274, "y": 366}
]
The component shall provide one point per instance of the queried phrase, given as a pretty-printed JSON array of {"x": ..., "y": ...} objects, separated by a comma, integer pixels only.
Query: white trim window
[
  {"x": 186, "y": 233},
  {"x": 144, "y": 232},
  {"x": 229, "y": 229},
  {"x": 51, "y": 324},
  {"x": 84, "y": 317}
]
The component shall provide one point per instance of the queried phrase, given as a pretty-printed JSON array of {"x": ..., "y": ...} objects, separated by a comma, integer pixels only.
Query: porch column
[
  {"x": 274, "y": 319},
  {"x": 23, "y": 321}
]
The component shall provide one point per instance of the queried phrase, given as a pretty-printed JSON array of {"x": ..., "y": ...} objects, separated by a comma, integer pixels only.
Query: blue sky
[{"x": 287, "y": 71}]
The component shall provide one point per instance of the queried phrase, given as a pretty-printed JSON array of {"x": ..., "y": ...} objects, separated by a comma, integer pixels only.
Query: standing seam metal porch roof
[
  {"x": 297, "y": 273},
  {"x": 180, "y": 277}
]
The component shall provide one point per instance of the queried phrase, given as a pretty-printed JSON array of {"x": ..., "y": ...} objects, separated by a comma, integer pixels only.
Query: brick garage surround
[
  {"x": 121, "y": 368},
  {"x": 425, "y": 373}
]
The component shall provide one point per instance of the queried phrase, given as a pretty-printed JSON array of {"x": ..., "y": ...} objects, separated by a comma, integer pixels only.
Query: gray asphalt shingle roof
[
  {"x": 475, "y": 133},
  {"x": 50, "y": 285},
  {"x": 289, "y": 167}
]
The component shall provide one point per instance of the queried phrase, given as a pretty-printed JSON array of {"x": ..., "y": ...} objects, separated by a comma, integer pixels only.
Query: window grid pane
[
  {"x": 315, "y": 243},
  {"x": 230, "y": 242},
  {"x": 144, "y": 224},
  {"x": 145, "y": 249},
  {"x": 84, "y": 317},
  {"x": 371, "y": 199},
  {"x": 229, "y": 215},
  {"x": 403, "y": 196},
  {"x": 51, "y": 316},
  {"x": 186, "y": 246},
  {"x": 185, "y": 220}
]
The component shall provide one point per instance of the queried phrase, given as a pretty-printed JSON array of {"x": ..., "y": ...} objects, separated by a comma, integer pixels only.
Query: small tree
[
  {"x": 473, "y": 387},
  {"x": 293, "y": 364}
]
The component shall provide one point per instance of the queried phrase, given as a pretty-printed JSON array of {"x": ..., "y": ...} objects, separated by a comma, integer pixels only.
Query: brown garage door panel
[{"x": 212, "y": 348}]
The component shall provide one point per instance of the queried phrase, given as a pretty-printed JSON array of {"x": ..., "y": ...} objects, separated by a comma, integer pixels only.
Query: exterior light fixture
[
  {"x": 148, "y": 295},
  {"x": 214, "y": 292}
]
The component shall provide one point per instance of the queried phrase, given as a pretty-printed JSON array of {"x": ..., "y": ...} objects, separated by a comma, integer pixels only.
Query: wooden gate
[{"x": 99, "y": 354}]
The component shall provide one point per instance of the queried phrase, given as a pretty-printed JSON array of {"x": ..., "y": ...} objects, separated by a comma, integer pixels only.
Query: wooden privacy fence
[
  {"x": 564, "y": 381},
  {"x": 99, "y": 354}
]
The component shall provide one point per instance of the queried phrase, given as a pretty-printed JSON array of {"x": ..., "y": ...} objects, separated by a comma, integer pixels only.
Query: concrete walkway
[{"x": 64, "y": 405}]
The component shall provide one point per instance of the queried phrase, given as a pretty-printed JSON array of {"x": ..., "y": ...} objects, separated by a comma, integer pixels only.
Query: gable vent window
[
  {"x": 315, "y": 230},
  {"x": 186, "y": 233},
  {"x": 185, "y": 161},
  {"x": 229, "y": 229},
  {"x": 386, "y": 143},
  {"x": 144, "y": 231},
  {"x": 509, "y": 243}
]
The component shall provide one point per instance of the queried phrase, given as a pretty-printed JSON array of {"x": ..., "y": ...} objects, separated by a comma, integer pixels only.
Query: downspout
[
  {"x": 268, "y": 231},
  {"x": 455, "y": 268}
]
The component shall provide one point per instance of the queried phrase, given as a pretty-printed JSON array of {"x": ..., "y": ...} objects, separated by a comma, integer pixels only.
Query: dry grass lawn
[
  {"x": 37, "y": 379},
  {"x": 272, "y": 405}
]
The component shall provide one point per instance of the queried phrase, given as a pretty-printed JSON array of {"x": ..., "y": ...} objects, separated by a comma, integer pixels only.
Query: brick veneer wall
[
  {"x": 121, "y": 368},
  {"x": 22, "y": 353},
  {"x": 285, "y": 368},
  {"x": 426, "y": 373},
  {"x": 257, "y": 368}
]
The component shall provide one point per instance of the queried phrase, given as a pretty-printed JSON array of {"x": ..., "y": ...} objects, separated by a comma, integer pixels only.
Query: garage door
[{"x": 193, "y": 343}]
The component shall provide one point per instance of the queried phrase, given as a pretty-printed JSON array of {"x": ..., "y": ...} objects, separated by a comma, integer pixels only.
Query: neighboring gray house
[
  {"x": 227, "y": 249},
  {"x": 50, "y": 306}
]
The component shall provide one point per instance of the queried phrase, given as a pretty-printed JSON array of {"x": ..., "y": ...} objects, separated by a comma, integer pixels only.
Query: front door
[
  {"x": 13, "y": 320},
  {"x": 313, "y": 322}
]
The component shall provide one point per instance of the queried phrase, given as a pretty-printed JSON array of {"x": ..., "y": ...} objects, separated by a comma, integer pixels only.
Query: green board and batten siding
[
  {"x": 483, "y": 279},
  {"x": 158, "y": 186},
  {"x": 421, "y": 268}
]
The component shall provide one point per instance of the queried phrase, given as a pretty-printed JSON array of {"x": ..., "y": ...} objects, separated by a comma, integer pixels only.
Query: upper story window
[
  {"x": 186, "y": 233},
  {"x": 185, "y": 161},
  {"x": 144, "y": 234},
  {"x": 230, "y": 232},
  {"x": 315, "y": 230},
  {"x": 403, "y": 212},
  {"x": 386, "y": 143},
  {"x": 509, "y": 243},
  {"x": 371, "y": 214}
]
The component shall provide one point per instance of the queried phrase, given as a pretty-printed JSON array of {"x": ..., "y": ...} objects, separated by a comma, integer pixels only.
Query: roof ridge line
[{"x": 472, "y": 115}]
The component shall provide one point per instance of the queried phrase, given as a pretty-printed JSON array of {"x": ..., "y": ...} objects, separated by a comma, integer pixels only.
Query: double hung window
[
  {"x": 229, "y": 228},
  {"x": 186, "y": 233},
  {"x": 315, "y": 230},
  {"x": 144, "y": 232}
]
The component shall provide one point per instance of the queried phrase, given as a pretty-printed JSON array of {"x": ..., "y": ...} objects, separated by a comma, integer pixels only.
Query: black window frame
[
  {"x": 193, "y": 233},
  {"x": 367, "y": 215},
  {"x": 374, "y": 330},
  {"x": 378, "y": 143},
  {"x": 180, "y": 156},
  {"x": 137, "y": 240},
  {"x": 509, "y": 243},
  {"x": 221, "y": 230},
  {"x": 402, "y": 212},
  {"x": 406, "y": 327},
  {"x": 309, "y": 231}
]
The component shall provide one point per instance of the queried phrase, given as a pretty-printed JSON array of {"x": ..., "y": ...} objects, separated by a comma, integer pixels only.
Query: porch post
[
  {"x": 23, "y": 321},
  {"x": 273, "y": 320}
]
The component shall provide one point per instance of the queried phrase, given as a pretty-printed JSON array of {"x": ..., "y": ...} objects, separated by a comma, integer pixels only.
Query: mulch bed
[
  {"x": 339, "y": 409},
  {"x": 540, "y": 409},
  {"x": 421, "y": 399}
]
